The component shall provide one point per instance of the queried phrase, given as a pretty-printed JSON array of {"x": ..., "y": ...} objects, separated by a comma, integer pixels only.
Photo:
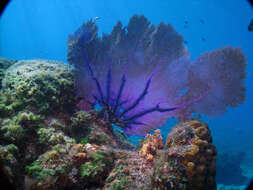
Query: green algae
[
  {"x": 18, "y": 127},
  {"x": 98, "y": 166},
  {"x": 13, "y": 133},
  {"x": 80, "y": 125},
  {"x": 122, "y": 184},
  {"x": 8, "y": 152},
  {"x": 49, "y": 137},
  {"x": 45, "y": 166},
  {"x": 85, "y": 140},
  {"x": 45, "y": 86},
  {"x": 36, "y": 170}
]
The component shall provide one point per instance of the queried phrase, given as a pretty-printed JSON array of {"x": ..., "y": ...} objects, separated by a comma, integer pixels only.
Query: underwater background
[{"x": 40, "y": 29}]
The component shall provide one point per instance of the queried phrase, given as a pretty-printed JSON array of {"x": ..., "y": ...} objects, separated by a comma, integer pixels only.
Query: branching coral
[{"x": 140, "y": 75}]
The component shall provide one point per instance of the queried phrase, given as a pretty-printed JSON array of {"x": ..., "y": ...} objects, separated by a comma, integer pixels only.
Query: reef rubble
[{"x": 47, "y": 143}]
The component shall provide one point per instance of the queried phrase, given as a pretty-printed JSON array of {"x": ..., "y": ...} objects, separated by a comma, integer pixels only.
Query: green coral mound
[{"x": 39, "y": 85}]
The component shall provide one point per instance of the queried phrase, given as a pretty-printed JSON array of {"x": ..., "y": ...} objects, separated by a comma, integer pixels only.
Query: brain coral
[{"x": 141, "y": 74}]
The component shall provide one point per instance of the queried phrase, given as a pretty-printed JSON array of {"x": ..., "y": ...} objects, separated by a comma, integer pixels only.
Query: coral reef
[
  {"x": 38, "y": 144},
  {"x": 65, "y": 126},
  {"x": 70, "y": 166},
  {"x": 23, "y": 138},
  {"x": 80, "y": 151},
  {"x": 140, "y": 75},
  {"x": 36, "y": 102}
]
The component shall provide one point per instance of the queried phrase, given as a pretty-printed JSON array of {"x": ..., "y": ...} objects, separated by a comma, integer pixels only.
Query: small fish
[
  {"x": 96, "y": 18},
  {"x": 250, "y": 27},
  {"x": 186, "y": 24},
  {"x": 186, "y": 42},
  {"x": 203, "y": 39},
  {"x": 202, "y": 21}
]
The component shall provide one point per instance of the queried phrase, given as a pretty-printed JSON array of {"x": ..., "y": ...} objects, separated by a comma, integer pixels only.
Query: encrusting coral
[
  {"x": 191, "y": 142},
  {"x": 150, "y": 145}
]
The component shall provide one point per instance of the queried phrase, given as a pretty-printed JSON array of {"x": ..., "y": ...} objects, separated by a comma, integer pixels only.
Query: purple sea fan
[
  {"x": 221, "y": 71},
  {"x": 140, "y": 75}
]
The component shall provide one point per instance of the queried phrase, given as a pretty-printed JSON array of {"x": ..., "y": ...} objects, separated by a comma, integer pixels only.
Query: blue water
[{"x": 40, "y": 28}]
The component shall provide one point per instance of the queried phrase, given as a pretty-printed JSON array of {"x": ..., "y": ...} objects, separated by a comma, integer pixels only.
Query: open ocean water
[{"x": 39, "y": 29}]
